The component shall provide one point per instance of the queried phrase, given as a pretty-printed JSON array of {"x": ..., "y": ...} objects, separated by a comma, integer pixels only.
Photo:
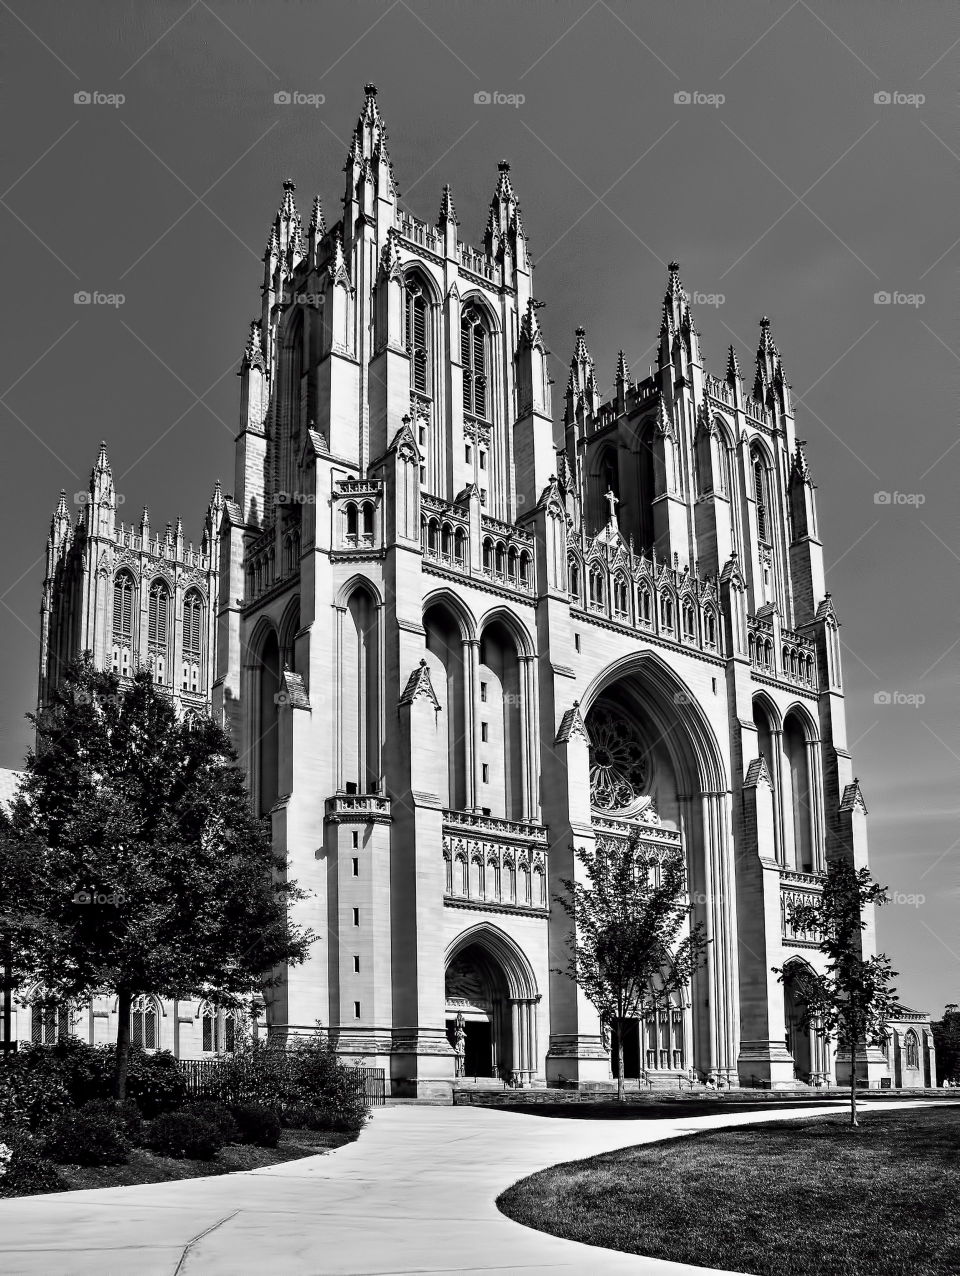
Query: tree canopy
[
  {"x": 853, "y": 999},
  {"x": 134, "y": 862},
  {"x": 631, "y": 945}
]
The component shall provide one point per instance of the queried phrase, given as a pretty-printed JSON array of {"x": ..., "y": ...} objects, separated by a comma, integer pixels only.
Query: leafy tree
[
  {"x": 140, "y": 866},
  {"x": 854, "y": 998},
  {"x": 946, "y": 1039},
  {"x": 628, "y": 953}
]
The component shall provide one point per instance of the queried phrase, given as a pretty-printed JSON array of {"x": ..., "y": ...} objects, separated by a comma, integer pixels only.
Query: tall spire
[
  {"x": 733, "y": 366},
  {"x": 447, "y": 211},
  {"x": 289, "y": 228},
  {"x": 318, "y": 225},
  {"x": 368, "y": 150}
]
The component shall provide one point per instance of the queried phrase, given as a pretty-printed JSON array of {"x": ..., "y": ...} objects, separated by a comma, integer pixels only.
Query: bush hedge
[
  {"x": 39, "y": 1083},
  {"x": 257, "y": 1125},
  {"x": 306, "y": 1079},
  {"x": 27, "y": 1172},
  {"x": 89, "y": 1136},
  {"x": 183, "y": 1134}
]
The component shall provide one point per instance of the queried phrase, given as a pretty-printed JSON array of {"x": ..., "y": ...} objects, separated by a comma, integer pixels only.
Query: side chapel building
[{"x": 456, "y": 637}]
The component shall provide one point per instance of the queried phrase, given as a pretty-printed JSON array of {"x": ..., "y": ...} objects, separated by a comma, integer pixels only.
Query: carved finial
[
  {"x": 318, "y": 224},
  {"x": 447, "y": 211}
]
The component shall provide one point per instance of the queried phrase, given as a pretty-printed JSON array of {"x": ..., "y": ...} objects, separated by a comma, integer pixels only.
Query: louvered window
[
  {"x": 473, "y": 356},
  {"x": 192, "y": 625},
  {"x": 415, "y": 337},
  {"x": 159, "y": 609},
  {"x": 123, "y": 608}
]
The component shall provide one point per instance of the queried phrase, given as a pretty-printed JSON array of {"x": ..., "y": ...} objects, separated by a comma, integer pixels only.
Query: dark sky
[{"x": 798, "y": 195}]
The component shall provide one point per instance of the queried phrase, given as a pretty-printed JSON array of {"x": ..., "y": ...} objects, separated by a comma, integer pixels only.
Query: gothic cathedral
[{"x": 458, "y": 638}]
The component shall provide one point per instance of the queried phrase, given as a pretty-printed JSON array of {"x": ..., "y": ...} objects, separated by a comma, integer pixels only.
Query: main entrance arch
[
  {"x": 656, "y": 767},
  {"x": 491, "y": 997}
]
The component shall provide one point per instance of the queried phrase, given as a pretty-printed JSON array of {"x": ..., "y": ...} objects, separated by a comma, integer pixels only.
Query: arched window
[
  {"x": 689, "y": 624},
  {"x": 473, "y": 357},
  {"x": 352, "y": 523},
  {"x": 144, "y": 1023},
  {"x": 760, "y": 495},
  {"x": 49, "y": 1023},
  {"x": 219, "y": 1030},
  {"x": 124, "y": 595},
  {"x": 573, "y": 577},
  {"x": 192, "y": 640},
  {"x": 459, "y": 545},
  {"x": 596, "y": 587},
  {"x": 666, "y": 611},
  {"x": 368, "y": 514},
  {"x": 644, "y": 605},
  {"x": 158, "y": 629},
  {"x": 416, "y": 330},
  {"x": 911, "y": 1048},
  {"x": 710, "y": 628},
  {"x": 525, "y": 568},
  {"x": 620, "y": 597}
]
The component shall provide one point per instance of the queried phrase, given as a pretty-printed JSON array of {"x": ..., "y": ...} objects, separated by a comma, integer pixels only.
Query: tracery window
[
  {"x": 473, "y": 357},
  {"x": 619, "y": 764},
  {"x": 49, "y": 1023},
  {"x": 218, "y": 1030},
  {"x": 158, "y": 629},
  {"x": 144, "y": 1020}
]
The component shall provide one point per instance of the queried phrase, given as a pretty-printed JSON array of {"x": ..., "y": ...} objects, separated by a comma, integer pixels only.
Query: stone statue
[{"x": 460, "y": 1045}]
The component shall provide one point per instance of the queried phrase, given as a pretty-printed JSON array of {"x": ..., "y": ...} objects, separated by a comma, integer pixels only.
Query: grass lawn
[
  {"x": 145, "y": 1167},
  {"x": 809, "y": 1197}
]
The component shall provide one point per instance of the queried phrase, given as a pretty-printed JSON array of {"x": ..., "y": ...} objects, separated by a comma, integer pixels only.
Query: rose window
[{"x": 619, "y": 764}]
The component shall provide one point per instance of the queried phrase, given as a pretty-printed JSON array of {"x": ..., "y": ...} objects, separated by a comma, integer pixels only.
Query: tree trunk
[
  {"x": 854, "y": 1039},
  {"x": 620, "y": 1094},
  {"x": 124, "y": 1003}
]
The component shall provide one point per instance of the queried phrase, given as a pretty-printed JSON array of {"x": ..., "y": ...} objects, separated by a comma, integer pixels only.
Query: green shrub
[
  {"x": 257, "y": 1125},
  {"x": 28, "y": 1172},
  {"x": 87, "y": 1137},
  {"x": 307, "y": 1078},
  {"x": 217, "y": 1114},
  {"x": 35, "y": 1087},
  {"x": 126, "y": 1115},
  {"x": 154, "y": 1082},
  {"x": 319, "y": 1082},
  {"x": 181, "y": 1134}
]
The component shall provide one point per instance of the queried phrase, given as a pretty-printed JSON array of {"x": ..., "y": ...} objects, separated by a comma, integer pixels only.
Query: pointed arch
[{"x": 516, "y": 966}]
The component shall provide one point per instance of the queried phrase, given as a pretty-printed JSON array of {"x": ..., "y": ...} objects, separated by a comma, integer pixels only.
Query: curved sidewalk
[{"x": 415, "y": 1193}]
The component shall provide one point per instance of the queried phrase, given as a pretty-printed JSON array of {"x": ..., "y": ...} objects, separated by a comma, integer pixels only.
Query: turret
[
  {"x": 621, "y": 379},
  {"x": 734, "y": 377},
  {"x": 101, "y": 514},
  {"x": 534, "y": 452},
  {"x": 447, "y": 224},
  {"x": 806, "y": 549},
  {"x": 505, "y": 241},
  {"x": 371, "y": 190},
  {"x": 316, "y": 230}
]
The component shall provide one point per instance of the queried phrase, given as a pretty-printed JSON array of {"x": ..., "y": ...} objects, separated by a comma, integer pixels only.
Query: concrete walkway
[{"x": 415, "y": 1193}]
